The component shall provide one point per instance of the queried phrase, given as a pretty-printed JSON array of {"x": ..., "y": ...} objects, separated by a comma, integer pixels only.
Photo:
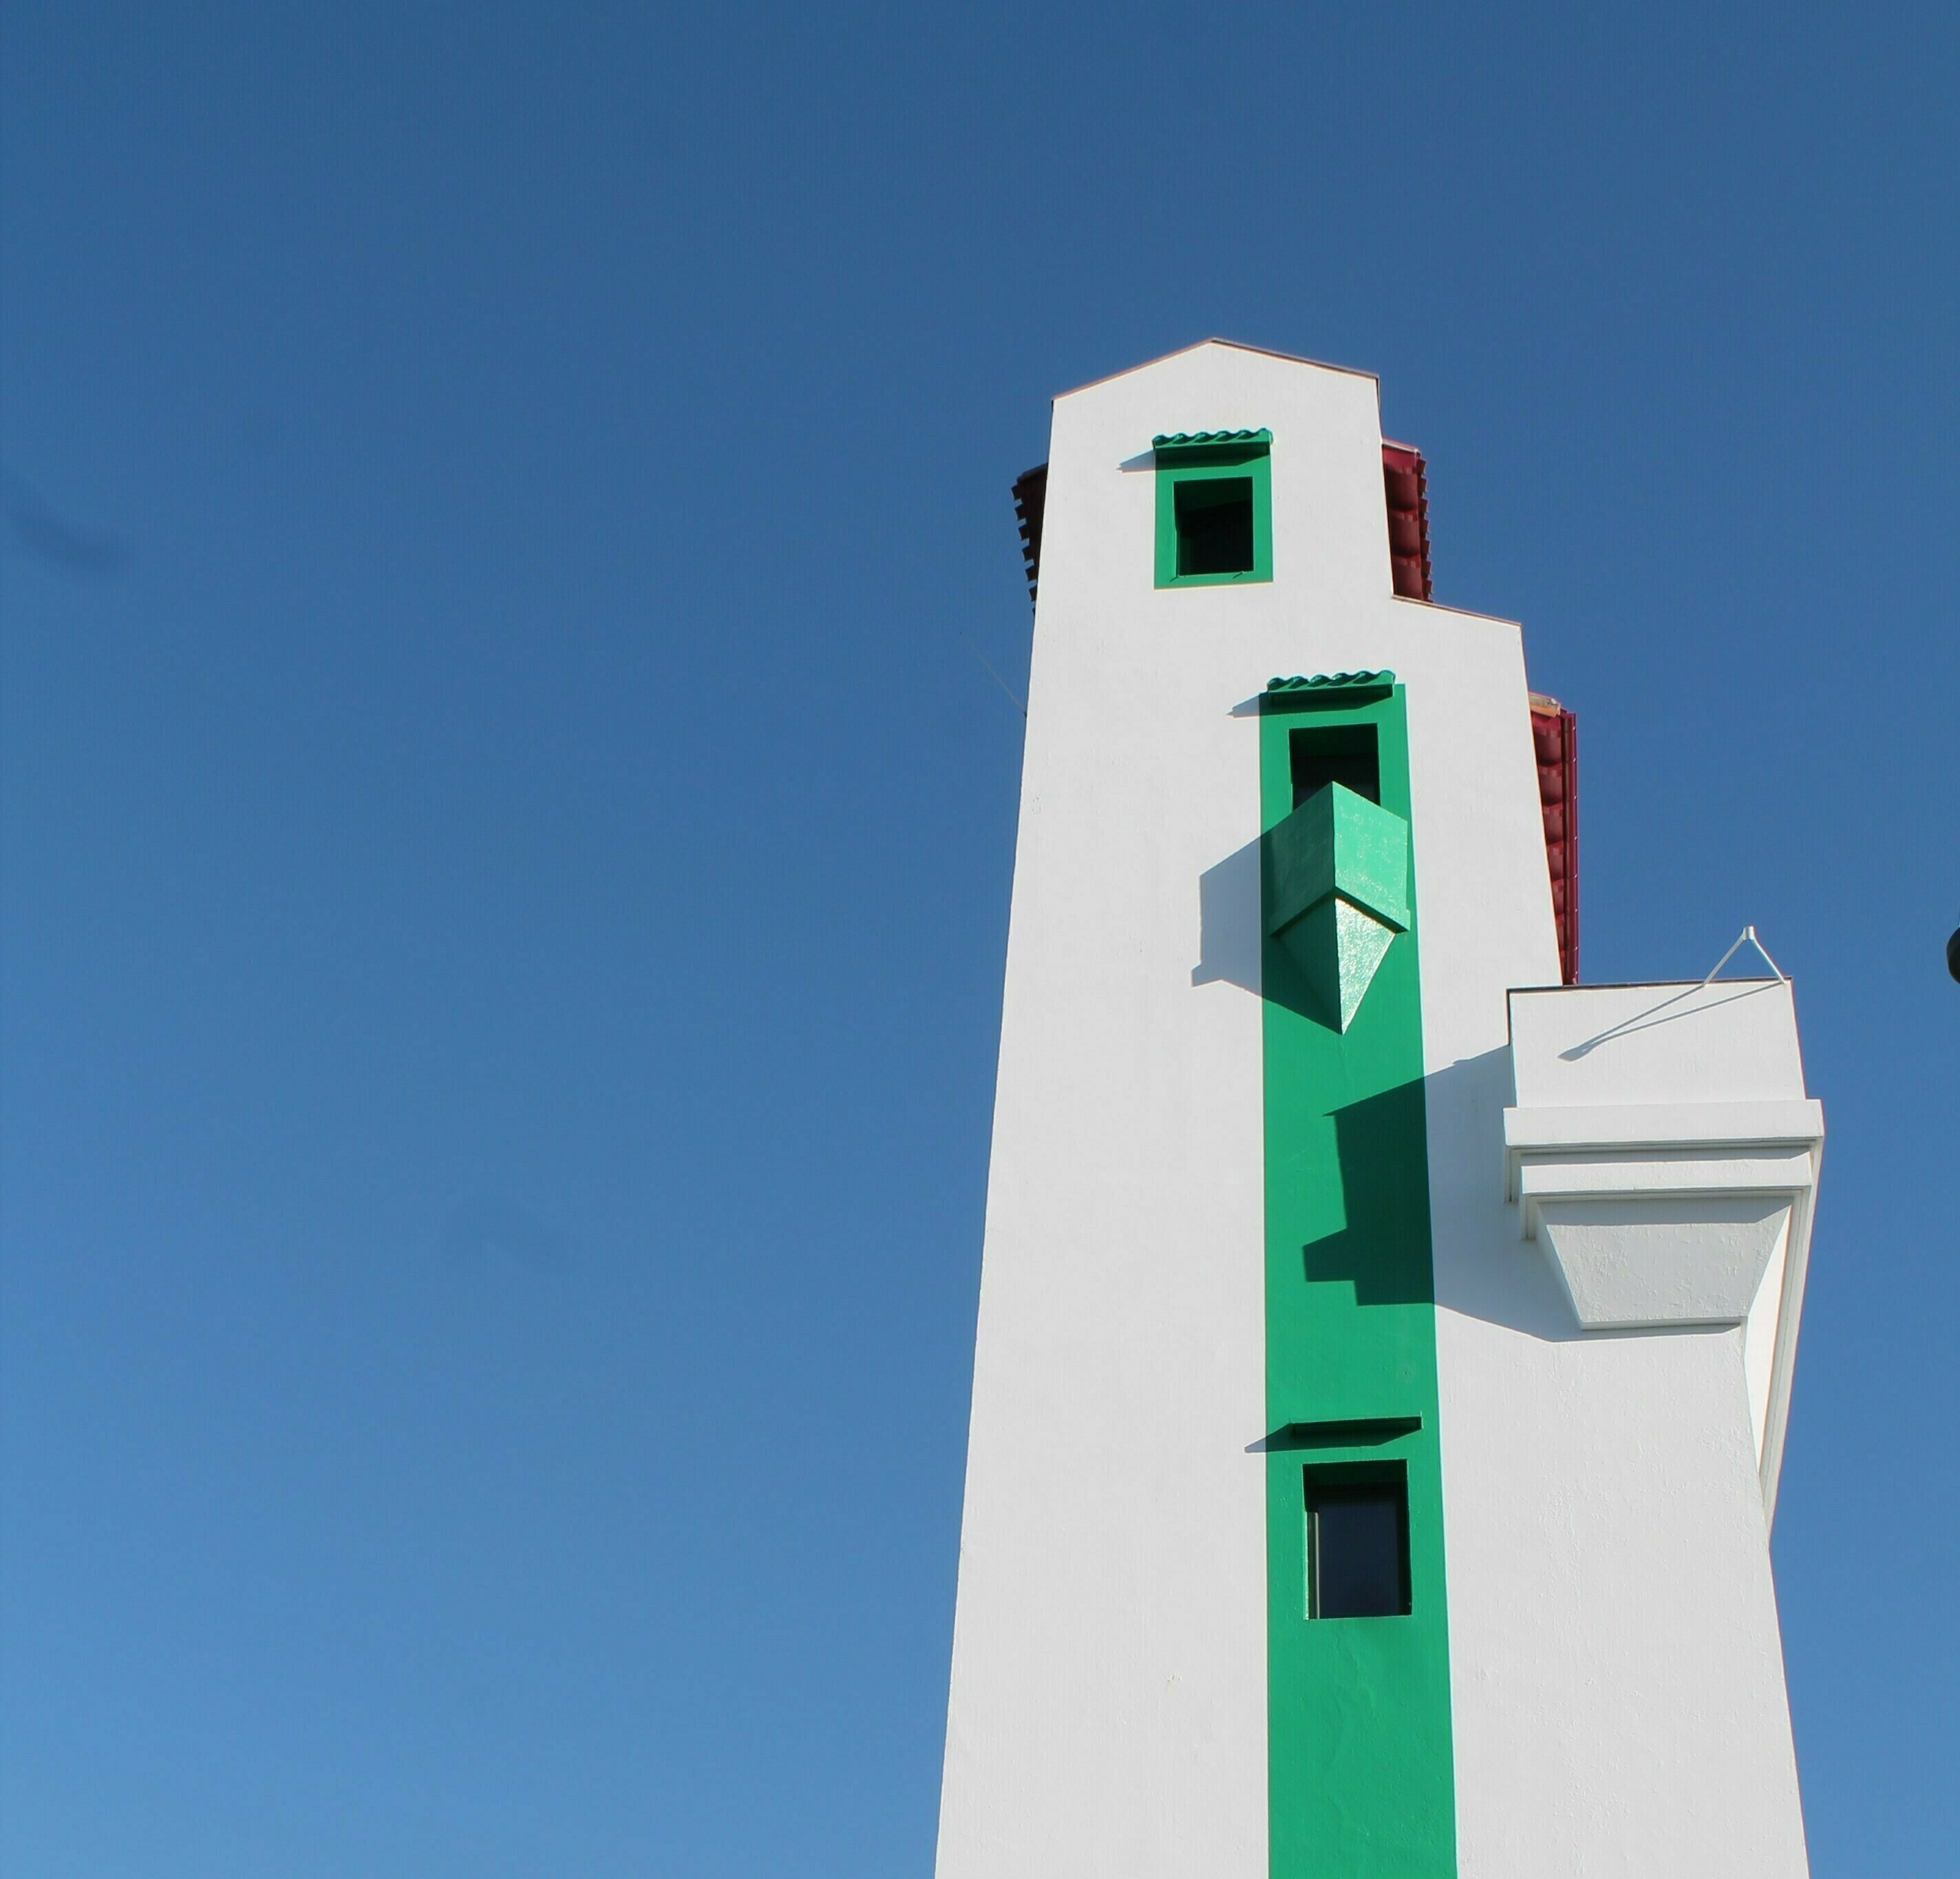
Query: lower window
[{"x": 1357, "y": 1554}]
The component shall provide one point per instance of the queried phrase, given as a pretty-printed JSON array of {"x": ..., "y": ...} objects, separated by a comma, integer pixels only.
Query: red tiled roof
[
  {"x": 1555, "y": 738},
  {"x": 1406, "y": 479}
]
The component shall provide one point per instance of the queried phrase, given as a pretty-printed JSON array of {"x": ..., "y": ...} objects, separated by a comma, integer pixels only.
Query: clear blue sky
[{"x": 506, "y": 836}]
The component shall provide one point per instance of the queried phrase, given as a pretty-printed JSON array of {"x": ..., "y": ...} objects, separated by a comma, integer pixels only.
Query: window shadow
[
  {"x": 1229, "y": 905},
  {"x": 1372, "y": 1431},
  {"x": 1383, "y": 1248}
]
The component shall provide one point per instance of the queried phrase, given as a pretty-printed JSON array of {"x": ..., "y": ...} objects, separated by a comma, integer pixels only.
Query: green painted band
[{"x": 1361, "y": 1777}]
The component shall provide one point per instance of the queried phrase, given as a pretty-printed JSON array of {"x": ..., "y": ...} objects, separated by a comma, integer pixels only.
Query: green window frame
[{"x": 1189, "y": 460}]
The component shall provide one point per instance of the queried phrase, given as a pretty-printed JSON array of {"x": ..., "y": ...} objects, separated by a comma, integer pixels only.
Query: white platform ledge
[{"x": 1663, "y": 1156}]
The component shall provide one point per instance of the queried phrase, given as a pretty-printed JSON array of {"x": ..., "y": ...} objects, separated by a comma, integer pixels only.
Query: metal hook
[{"x": 1747, "y": 936}]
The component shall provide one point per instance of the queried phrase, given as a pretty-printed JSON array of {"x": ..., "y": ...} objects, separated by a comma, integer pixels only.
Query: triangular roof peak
[{"x": 1237, "y": 345}]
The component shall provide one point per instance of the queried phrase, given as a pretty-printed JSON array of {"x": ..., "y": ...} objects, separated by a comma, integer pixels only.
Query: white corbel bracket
[
  {"x": 1663, "y": 1155},
  {"x": 1662, "y": 1213}
]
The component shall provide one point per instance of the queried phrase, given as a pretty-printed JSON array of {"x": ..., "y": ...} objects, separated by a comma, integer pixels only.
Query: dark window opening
[
  {"x": 1214, "y": 525},
  {"x": 1357, "y": 1558},
  {"x": 1336, "y": 753}
]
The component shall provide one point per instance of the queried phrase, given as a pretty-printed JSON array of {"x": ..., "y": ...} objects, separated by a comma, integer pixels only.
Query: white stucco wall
[
  {"x": 1616, "y": 1693},
  {"x": 1618, "y": 1678}
]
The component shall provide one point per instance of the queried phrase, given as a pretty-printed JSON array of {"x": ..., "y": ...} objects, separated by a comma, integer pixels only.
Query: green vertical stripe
[{"x": 1360, "y": 1781}]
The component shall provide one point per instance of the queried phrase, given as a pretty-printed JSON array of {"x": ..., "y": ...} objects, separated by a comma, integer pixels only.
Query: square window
[
  {"x": 1357, "y": 1558},
  {"x": 1214, "y": 525},
  {"x": 1214, "y": 508},
  {"x": 1335, "y": 754}
]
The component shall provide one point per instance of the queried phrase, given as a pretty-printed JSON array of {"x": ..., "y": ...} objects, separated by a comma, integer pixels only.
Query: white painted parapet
[{"x": 1663, "y": 1154}]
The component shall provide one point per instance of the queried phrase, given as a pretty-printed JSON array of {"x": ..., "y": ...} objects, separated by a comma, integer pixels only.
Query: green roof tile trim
[
  {"x": 1200, "y": 440},
  {"x": 1325, "y": 681},
  {"x": 1326, "y": 692}
]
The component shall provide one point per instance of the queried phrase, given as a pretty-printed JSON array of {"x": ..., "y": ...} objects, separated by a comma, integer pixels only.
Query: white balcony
[{"x": 1663, "y": 1156}]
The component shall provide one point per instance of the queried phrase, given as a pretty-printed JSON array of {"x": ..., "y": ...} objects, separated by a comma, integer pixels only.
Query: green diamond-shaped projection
[
  {"x": 1336, "y": 947},
  {"x": 1337, "y": 894}
]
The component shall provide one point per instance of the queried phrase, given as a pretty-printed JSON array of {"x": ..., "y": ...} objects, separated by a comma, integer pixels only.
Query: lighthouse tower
[{"x": 1385, "y": 1341}]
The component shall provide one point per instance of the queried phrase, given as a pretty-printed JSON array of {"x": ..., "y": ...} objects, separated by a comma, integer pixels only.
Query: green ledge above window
[{"x": 1214, "y": 508}]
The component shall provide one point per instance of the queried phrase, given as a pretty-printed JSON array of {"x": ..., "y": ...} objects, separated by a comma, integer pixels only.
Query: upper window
[
  {"x": 1214, "y": 525},
  {"x": 1214, "y": 508},
  {"x": 1335, "y": 754}
]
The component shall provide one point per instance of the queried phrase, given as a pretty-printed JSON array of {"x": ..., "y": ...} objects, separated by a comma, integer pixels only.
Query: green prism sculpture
[{"x": 1337, "y": 894}]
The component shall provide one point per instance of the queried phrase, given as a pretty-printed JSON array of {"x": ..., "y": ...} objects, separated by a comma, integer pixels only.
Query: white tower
[{"x": 1384, "y": 1346}]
